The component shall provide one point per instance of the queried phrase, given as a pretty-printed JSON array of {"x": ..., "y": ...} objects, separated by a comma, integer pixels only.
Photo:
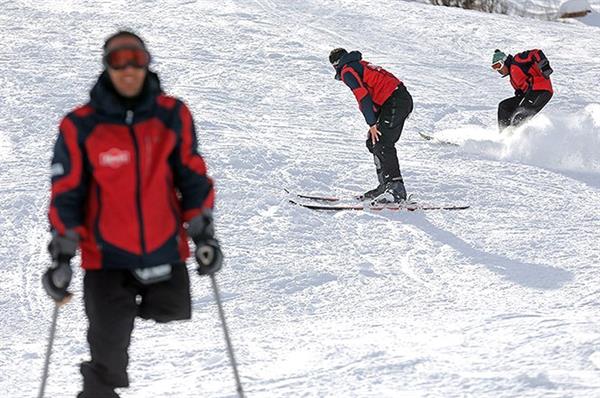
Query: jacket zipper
[{"x": 138, "y": 171}]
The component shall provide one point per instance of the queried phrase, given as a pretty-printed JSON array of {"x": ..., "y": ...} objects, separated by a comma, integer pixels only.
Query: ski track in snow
[{"x": 500, "y": 300}]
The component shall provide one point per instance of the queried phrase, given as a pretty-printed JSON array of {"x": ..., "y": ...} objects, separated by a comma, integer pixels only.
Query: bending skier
[
  {"x": 529, "y": 73},
  {"x": 385, "y": 104},
  {"x": 126, "y": 174}
]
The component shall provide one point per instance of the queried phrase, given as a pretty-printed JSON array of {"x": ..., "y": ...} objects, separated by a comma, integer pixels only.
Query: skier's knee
[{"x": 385, "y": 151}]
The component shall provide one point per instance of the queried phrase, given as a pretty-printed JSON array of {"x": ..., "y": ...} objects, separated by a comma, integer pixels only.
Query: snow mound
[
  {"x": 574, "y": 6},
  {"x": 561, "y": 142},
  {"x": 591, "y": 19}
]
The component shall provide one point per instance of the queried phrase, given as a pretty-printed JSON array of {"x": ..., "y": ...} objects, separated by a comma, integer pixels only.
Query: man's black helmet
[{"x": 335, "y": 55}]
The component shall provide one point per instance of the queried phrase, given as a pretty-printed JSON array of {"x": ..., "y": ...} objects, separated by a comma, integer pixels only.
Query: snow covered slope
[{"x": 501, "y": 300}]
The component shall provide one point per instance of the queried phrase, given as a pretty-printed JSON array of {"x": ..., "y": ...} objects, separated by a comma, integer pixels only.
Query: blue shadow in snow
[{"x": 536, "y": 276}]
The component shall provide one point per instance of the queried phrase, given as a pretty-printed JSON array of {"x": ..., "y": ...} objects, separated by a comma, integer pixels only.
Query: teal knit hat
[{"x": 499, "y": 56}]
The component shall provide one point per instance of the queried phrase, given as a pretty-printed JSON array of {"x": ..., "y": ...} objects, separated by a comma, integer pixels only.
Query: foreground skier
[
  {"x": 126, "y": 174},
  {"x": 529, "y": 73},
  {"x": 385, "y": 103}
]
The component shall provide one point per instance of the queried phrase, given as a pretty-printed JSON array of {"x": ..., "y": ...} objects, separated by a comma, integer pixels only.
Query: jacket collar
[
  {"x": 105, "y": 99},
  {"x": 508, "y": 62}
]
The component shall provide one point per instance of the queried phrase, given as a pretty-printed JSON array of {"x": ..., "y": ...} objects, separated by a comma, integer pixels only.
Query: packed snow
[{"x": 501, "y": 300}]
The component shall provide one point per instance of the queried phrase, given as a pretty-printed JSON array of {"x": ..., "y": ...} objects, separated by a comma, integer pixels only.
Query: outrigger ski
[{"x": 376, "y": 207}]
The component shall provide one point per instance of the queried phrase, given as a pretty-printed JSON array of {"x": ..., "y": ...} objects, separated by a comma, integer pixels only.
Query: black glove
[
  {"x": 57, "y": 278},
  {"x": 62, "y": 248},
  {"x": 208, "y": 251},
  {"x": 545, "y": 68}
]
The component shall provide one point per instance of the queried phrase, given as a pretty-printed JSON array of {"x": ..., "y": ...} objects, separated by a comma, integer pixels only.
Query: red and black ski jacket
[
  {"x": 371, "y": 85},
  {"x": 525, "y": 75},
  {"x": 127, "y": 179}
]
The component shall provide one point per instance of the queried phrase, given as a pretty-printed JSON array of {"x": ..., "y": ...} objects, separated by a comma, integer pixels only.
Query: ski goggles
[
  {"x": 337, "y": 72},
  {"x": 498, "y": 65},
  {"x": 122, "y": 57}
]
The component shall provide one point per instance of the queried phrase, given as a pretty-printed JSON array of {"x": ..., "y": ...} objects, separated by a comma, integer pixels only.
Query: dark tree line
[{"x": 496, "y": 6}]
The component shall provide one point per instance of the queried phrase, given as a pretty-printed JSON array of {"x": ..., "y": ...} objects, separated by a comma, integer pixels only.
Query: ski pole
[
  {"x": 57, "y": 305},
  {"x": 49, "y": 350},
  {"x": 240, "y": 391}
]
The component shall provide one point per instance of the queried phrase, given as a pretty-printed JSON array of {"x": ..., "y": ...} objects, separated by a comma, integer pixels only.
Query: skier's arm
[
  {"x": 197, "y": 193},
  {"x": 520, "y": 81},
  {"x": 365, "y": 102},
  {"x": 197, "y": 196},
  {"x": 69, "y": 182}
]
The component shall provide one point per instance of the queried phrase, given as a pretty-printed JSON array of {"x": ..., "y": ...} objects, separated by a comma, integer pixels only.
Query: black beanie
[{"x": 336, "y": 54}]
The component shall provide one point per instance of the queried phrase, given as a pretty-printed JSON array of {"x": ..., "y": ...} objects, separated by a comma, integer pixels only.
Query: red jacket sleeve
[
  {"x": 365, "y": 102},
  {"x": 69, "y": 181},
  {"x": 197, "y": 191}
]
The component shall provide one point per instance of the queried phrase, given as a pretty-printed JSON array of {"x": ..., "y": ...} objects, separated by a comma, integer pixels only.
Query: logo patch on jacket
[{"x": 115, "y": 158}]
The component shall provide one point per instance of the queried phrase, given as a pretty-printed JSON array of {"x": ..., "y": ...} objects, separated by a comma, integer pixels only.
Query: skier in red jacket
[
  {"x": 126, "y": 176},
  {"x": 385, "y": 104},
  {"x": 529, "y": 73}
]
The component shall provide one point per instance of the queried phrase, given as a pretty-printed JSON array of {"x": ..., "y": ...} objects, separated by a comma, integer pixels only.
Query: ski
[
  {"x": 437, "y": 140},
  {"x": 319, "y": 198},
  {"x": 325, "y": 198},
  {"x": 368, "y": 207}
]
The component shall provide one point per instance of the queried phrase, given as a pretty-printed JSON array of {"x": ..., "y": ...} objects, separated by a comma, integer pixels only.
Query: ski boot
[
  {"x": 394, "y": 193},
  {"x": 373, "y": 193}
]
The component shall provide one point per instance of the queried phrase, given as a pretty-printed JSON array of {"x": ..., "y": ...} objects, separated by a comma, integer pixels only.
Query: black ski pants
[
  {"x": 515, "y": 110},
  {"x": 390, "y": 123},
  {"x": 113, "y": 299}
]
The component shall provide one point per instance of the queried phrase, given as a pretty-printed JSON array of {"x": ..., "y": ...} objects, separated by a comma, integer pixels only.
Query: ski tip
[
  {"x": 425, "y": 136},
  {"x": 433, "y": 139},
  {"x": 315, "y": 197}
]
